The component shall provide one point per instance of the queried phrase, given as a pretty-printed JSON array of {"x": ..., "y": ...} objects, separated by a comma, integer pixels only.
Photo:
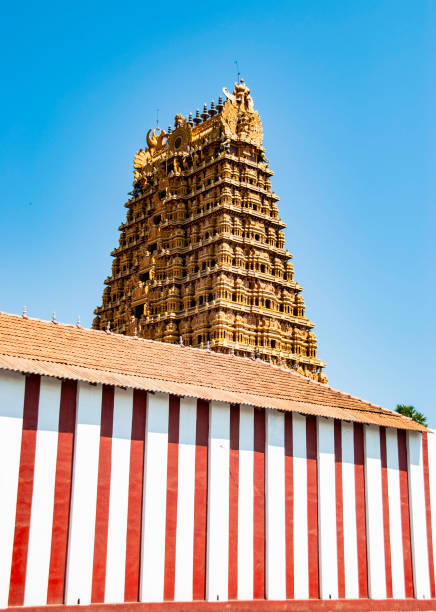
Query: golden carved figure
[{"x": 155, "y": 141}]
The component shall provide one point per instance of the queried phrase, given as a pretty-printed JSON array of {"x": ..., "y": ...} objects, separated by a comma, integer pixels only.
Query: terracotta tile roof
[{"x": 67, "y": 351}]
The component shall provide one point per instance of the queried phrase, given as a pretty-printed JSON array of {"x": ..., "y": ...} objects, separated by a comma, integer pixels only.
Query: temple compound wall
[{"x": 121, "y": 495}]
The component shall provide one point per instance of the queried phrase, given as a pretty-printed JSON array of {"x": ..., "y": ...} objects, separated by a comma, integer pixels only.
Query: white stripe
[
  {"x": 395, "y": 526},
  {"x": 328, "y": 558},
  {"x": 185, "y": 501},
  {"x": 374, "y": 514},
  {"x": 245, "y": 503},
  {"x": 301, "y": 552},
  {"x": 154, "y": 507},
  {"x": 418, "y": 525},
  {"x": 11, "y": 425},
  {"x": 217, "y": 568},
  {"x": 119, "y": 496},
  {"x": 275, "y": 506},
  {"x": 432, "y": 478},
  {"x": 38, "y": 556},
  {"x": 349, "y": 512},
  {"x": 83, "y": 495}
]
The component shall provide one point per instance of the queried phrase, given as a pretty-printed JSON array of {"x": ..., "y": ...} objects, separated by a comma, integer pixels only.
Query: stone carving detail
[
  {"x": 201, "y": 254},
  {"x": 180, "y": 139},
  {"x": 239, "y": 118}
]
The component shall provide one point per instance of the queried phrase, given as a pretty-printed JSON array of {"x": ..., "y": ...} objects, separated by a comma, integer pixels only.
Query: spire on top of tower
[
  {"x": 239, "y": 74},
  {"x": 241, "y": 95}
]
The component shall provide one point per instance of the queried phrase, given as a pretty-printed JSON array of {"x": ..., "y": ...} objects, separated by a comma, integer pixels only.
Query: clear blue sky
[{"x": 346, "y": 90}]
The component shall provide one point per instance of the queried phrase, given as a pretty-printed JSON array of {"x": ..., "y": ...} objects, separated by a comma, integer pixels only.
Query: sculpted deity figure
[
  {"x": 179, "y": 120},
  {"x": 176, "y": 165}
]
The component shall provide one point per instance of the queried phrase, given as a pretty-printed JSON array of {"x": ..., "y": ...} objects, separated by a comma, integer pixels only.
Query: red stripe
[
  {"x": 200, "y": 500},
  {"x": 62, "y": 494},
  {"x": 359, "y": 482},
  {"x": 103, "y": 494},
  {"x": 259, "y": 505},
  {"x": 428, "y": 514},
  {"x": 289, "y": 506},
  {"x": 312, "y": 505},
  {"x": 172, "y": 492},
  {"x": 405, "y": 515},
  {"x": 385, "y": 501},
  {"x": 25, "y": 491},
  {"x": 136, "y": 482},
  {"x": 233, "y": 502},
  {"x": 339, "y": 509}
]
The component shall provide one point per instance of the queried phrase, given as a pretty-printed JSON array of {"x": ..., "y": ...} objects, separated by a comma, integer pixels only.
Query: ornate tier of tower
[{"x": 202, "y": 257}]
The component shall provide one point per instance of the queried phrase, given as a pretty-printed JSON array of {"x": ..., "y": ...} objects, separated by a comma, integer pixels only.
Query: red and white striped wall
[{"x": 118, "y": 495}]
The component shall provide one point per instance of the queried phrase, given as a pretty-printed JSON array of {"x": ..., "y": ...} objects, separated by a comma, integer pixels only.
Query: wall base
[{"x": 310, "y": 605}]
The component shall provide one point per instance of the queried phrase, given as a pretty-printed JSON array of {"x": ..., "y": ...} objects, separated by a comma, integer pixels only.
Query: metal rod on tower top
[
  {"x": 157, "y": 118},
  {"x": 239, "y": 74}
]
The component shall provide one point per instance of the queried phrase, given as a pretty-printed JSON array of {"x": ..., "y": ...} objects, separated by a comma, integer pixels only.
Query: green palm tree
[{"x": 411, "y": 412}]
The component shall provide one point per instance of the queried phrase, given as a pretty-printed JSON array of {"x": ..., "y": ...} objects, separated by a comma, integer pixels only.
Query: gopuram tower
[{"x": 201, "y": 258}]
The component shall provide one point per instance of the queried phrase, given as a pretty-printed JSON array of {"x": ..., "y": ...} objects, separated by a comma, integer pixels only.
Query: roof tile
[{"x": 66, "y": 351}]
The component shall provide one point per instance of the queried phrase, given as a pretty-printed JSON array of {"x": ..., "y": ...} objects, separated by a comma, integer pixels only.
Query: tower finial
[
  {"x": 24, "y": 315},
  {"x": 157, "y": 118},
  {"x": 239, "y": 74}
]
